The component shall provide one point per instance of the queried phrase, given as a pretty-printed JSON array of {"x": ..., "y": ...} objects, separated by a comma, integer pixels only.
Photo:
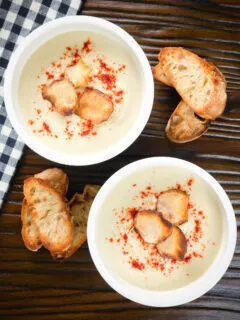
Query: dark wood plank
[{"x": 34, "y": 286}]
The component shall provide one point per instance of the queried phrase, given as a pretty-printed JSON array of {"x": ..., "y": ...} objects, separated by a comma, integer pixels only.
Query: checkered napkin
[{"x": 17, "y": 19}]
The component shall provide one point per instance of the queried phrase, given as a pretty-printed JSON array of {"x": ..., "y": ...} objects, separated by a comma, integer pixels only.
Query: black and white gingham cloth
[{"x": 17, "y": 19}]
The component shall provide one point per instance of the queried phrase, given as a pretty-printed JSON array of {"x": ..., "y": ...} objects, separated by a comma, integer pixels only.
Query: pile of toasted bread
[
  {"x": 200, "y": 84},
  {"x": 49, "y": 220},
  {"x": 161, "y": 227}
]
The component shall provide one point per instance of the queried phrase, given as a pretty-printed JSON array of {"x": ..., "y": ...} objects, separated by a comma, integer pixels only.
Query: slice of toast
[
  {"x": 56, "y": 178},
  {"x": 200, "y": 84},
  {"x": 29, "y": 231},
  {"x": 173, "y": 205},
  {"x": 159, "y": 74},
  {"x": 62, "y": 95},
  {"x": 78, "y": 74},
  {"x": 90, "y": 191},
  {"x": 151, "y": 226},
  {"x": 50, "y": 214},
  {"x": 184, "y": 126},
  {"x": 95, "y": 105},
  {"x": 79, "y": 205},
  {"x": 79, "y": 213},
  {"x": 175, "y": 246}
]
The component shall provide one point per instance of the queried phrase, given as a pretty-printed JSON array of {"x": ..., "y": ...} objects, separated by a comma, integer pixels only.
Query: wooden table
[{"x": 35, "y": 287}]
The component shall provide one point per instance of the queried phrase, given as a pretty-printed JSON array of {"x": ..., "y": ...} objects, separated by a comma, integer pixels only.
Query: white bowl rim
[
  {"x": 132, "y": 134},
  {"x": 181, "y": 295}
]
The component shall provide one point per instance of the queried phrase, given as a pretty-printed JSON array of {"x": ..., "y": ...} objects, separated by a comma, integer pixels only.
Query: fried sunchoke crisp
[
  {"x": 95, "y": 105},
  {"x": 78, "y": 74},
  {"x": 151, "y": 226},
  {"x": 62, "y": 95},
  {"x": 175, "y": 246}
]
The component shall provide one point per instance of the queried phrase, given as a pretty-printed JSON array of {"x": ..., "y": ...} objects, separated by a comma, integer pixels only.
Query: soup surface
[
  {"x": 114, "y": 71},
  {"x": 140, "y": 264}
]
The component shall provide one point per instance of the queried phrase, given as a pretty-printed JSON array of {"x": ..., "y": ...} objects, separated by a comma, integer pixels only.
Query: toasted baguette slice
[
  {"x": 151, "y": 226},
  {"x": 175, "y": 246},
  {"x": 90, "y": 191},
  {"x": 95, "y": 105},
  {"x": 184, "y": 126},
  {"x": 80, "y": 205},
  {"x": 79, "y": 213},
  {"x": 200, "y": 84},
  {"x": 62, "y": 95},
  {"x": 159, "y": 74},
  {"x": 173, "y": 205},
  {"x": 77, "y": 198},
  {"x": 50, "y": 214},
  {"x": 56, "y": 178},
  {"x": 29, "y": 231},
  {"x": 78, "y": 74}
]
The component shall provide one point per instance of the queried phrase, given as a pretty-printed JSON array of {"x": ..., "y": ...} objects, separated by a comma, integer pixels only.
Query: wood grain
[{"x": 32, "y": 286}]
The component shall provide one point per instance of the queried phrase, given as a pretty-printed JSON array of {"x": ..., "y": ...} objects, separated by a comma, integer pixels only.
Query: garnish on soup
[
  {"x": 95, "y": 105},
  {"x": 173, "y": 205},
  {"x": 62, "y": 95},
  {"x": 78, "y": 73},
  {"x": 151, "y": 226},
  {"x": 175, "y": 246}
]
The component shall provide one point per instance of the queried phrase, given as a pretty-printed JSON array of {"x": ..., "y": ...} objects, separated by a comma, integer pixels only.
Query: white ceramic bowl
[
  {"x": 192, "y": 290},
  {"x": 49, "y": 31}
]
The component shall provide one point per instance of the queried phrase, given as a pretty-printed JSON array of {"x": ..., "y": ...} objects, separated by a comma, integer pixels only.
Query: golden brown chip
[
  {"x": 173, "y": 205},
  {"x": 151, "y": 226},
  {"x": 78, "y": 74},
  {"x": 29, "y": 231},
  {"x": 175, "y": 246},
  {"x": 95, "y": 105},
  {"x": 62, "y": 95},
  {"x": 184, "y": 126}
]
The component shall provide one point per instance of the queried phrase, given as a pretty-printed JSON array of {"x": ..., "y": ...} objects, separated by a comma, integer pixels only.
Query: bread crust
[
  {"x": 50, "y": 214},
  {"x": 214, "y": 104}
]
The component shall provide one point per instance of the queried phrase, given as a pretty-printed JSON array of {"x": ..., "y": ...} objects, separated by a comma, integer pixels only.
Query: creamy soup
[
  {"x": 139, "y": 264},
  {"x": 114, "y": 71}
]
